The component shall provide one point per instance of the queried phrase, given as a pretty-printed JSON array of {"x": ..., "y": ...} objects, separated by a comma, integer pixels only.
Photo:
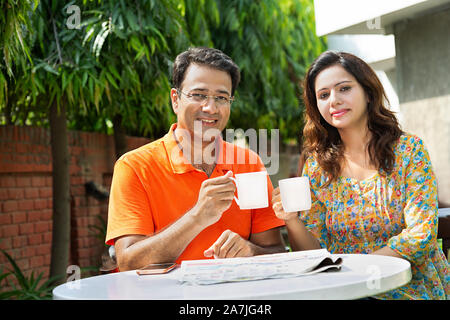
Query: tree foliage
[
  {"x": 272, "y": 42},
  {"x": 134, "y": 44},
  {"x": 118, "y": 62},
  {"x": 15, "y": 39}
]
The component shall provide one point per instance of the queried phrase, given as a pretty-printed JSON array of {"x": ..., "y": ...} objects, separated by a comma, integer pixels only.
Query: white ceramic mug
[
  {"x": 295, "y": 194},
  {"x": 251, "y": 190}
]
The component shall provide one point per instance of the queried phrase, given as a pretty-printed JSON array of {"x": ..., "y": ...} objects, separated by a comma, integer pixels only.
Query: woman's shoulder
[
  {"x": 411, "y": 150},
  {"x": 314, "y": 171},
  {"x": 409, "y": 143},
  {"x": 410, "y": 139}
]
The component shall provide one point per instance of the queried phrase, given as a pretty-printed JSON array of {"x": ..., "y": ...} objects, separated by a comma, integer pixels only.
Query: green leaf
[
  {"x": 111, "y": 80},
  {"x": 132, "y": 21}
]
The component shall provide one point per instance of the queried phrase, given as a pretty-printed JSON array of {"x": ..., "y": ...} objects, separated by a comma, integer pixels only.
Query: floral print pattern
[{"x": 398, "y": 210}]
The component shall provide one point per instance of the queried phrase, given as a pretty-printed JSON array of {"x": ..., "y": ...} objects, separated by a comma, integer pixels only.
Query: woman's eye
[
  {"x": 346, "y": 88},
  {"x": 323, "y": 95}
]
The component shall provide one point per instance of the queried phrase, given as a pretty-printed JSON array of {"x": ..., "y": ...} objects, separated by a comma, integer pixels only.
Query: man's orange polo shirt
[{"x": 154, "y": 185}]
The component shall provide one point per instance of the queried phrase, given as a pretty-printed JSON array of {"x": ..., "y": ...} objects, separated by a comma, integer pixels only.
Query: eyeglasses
[{"x": 221, "y": 101}]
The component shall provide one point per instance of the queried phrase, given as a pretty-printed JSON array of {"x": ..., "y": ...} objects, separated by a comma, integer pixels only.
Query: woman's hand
[{"x": 278, "y": 207}]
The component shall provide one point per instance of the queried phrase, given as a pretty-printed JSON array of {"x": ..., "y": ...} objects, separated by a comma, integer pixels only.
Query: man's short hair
[{"x": 209, "y": 57}]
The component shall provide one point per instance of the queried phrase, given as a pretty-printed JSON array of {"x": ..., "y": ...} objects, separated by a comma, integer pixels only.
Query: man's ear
[{"x": 174, "y": 99}]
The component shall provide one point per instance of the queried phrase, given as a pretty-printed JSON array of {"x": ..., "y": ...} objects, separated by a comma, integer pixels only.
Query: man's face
[{"x": 195, "y": 117}]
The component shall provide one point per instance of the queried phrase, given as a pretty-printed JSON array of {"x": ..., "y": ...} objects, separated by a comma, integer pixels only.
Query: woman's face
[{"x": 341, "y": 100}]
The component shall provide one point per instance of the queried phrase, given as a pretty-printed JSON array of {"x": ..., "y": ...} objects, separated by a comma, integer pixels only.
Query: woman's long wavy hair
[{"x": 323, "y": 141}]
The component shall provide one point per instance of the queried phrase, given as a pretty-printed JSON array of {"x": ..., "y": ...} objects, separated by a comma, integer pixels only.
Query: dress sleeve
[
  {"x": 129, "y": 209},
  {"x": 315, "y": 218},
  {"x": 420, "y": 206}
]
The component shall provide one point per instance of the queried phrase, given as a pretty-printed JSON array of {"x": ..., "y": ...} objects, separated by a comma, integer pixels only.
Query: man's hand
[
  {"x": 215, "y": 197},
  {"x": 230, "y": 245}
]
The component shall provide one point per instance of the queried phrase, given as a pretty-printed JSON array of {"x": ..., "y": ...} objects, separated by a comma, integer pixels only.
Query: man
[{"x": 172, "y": 199}]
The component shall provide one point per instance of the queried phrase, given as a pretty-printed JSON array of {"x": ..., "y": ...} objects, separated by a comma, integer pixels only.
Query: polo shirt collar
[{"x": 180, "y": 164}]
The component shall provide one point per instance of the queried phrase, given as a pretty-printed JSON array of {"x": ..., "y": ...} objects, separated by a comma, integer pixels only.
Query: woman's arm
[
  {"x": 420, "y": 208},
  {"x": 299, "y": 236},
  {"x": 386, "y": 251}
]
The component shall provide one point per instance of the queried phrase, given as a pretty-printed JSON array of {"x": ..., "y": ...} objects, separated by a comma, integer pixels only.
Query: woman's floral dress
[{"x": 398, "y": 210}]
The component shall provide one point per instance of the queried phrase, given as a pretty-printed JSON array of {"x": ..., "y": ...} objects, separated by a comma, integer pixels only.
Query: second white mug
[{"x": 295, "y": 194}]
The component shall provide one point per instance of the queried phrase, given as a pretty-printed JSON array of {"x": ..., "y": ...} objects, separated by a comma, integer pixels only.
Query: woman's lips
[{"x": 339, "y": 113}]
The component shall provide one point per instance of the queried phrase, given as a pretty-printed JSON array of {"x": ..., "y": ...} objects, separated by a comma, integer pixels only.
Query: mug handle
[{"x": 235, "y": 198}]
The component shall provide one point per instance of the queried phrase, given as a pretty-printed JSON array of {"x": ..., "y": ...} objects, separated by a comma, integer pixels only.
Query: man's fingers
[
  {"x": 230, "y": 248},
  {"x": 222, "y": 179},
  {"x": 215, "y": 247},
  {"x": 208, "y": 252},
  {"x": 226, "y": 246},
  {"x": 219, "y": 188}
]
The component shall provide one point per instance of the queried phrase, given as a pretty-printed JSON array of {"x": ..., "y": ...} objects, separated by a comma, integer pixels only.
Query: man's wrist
[{"x": 198, "y": 217}]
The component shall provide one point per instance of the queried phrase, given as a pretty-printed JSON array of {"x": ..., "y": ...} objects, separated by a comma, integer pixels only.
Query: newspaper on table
[{"x": 269, "y": 266}]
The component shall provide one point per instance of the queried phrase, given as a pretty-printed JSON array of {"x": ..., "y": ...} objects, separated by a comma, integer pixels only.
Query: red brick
[
  {"x": 38, "y": 181},
  {"x": 41, "y": 227},
  {"x": 23, "y": 181},
  {"x": 46, "y": 214},
  {"x": 36, "y": 261},
  {"x": 7, "y": 147},
  {"x": 34, "y": 215},
  {"x": 34, "y": 239},
  {"x": 43, "y": 249},
  {"x": 26, "y": 205},
  {"x": 5, "y": 218},
  {"x": 15, "y": 193},
  {"x": 7, "y": 182},
  {"x": 78, "y": 190},
  {"x": 48, "y": 181},
  {"x": 23, "y": 264},
  {"x": 20, "y": 242},
  {"x": 26, "y": 228},
  {"x": 47, "y": 237},
  {"x": 28, "y": 251},
  {"x": 84, "y": 253},
  {"x": 10, "y": 230},
  {"x": 31, "y": 193},
  {"x": 9, "y": 206},
  {"x": 21, "y": 148},
  {"x": 80, "y": 201},
  {"x": 3, "y": 194},
  {"x": 5, "y": 244},
  {"x": 45, "y": 192},
  {"x": 21, "y": 158},
  {"x": 19, "y": 217},
  {"x": 76, "y": 180},
  {"x": 40, "y": 204},
  {"x": 83, "y": 232}
]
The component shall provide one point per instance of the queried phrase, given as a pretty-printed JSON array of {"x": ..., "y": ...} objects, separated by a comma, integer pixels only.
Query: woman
[{"x": 372, "y": 186}]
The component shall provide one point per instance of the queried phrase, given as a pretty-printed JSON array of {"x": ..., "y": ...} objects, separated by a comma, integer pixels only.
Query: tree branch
[{"x": 58, "y": 48}]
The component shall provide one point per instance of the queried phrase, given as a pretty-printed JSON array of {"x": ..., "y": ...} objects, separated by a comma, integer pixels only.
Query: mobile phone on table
[{"x": 157, "y": 268}]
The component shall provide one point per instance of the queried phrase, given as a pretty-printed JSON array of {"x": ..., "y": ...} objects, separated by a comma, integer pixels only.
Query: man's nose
[{"x": 210, "y": 105}]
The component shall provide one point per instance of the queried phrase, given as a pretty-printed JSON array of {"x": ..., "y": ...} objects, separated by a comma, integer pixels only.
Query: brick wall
[{"x": 26, "y": 195}]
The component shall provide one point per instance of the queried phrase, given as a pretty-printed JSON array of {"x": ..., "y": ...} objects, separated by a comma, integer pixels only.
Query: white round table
[
  {"x": 360, "y": 276},
  {"x": 444, "y": 212}
]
